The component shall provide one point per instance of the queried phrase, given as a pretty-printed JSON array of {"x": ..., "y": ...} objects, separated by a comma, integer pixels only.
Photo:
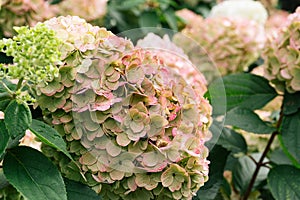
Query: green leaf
[
  {"x": 17, "y": 118},
  {"x": 33, "y": 175},
  {"x": 216, "y": 95},
  {"x": 79, "y": 191},
  {"x": 279, "y": 157},
  {"x": 290, "y": 137},
  {"x": 49, "y": 136},
  {"x": 52, "y": 2},
  {"x": 210, "y": 190},
  {"x": 9, "y": 84},
  {"x": 247, "y": 120},
  {"x": 284, "y": 182},
  {"x": 171, "y": 18},
  {"x": 243, "y": 90},
  {"x": 3, "y": 104},
  {"x": 128, "y": 4},
  {"x": 243, "y": 172},
  {"x": 4, "y": 138},
  {"x": 216, "y": 130},
  {"x": 291, "y": 103},
  {"x": 148, "y": 19},
  {"x": 232, "y": 141},
  {"x": 3, "y": 181}
]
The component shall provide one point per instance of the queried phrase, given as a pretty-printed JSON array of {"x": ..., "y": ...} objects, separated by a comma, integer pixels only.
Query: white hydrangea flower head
[{"x": 241, "y": 9}]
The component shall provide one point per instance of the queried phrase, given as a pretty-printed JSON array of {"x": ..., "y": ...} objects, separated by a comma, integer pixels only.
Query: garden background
[{"x": 149, "y": 99}]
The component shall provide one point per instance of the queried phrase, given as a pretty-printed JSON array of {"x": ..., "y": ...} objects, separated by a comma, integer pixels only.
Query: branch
[{"x": 261, "y": 163}]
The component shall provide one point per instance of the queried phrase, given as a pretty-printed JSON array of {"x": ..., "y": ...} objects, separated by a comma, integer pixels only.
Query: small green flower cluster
[{"x": 35, "y": 53}]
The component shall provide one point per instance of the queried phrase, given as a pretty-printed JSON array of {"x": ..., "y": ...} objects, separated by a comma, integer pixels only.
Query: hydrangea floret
[
  {"x": 282, "y": 56},
  {"x": 131, "y": 121}
]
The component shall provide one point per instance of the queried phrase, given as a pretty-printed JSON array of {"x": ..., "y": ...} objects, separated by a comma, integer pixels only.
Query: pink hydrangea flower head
[
  {"x": 281, "y": 56},
  {"x": 232, "y": 44},
  {"x": 22, "y": 12},
  {"x": 88, "y": 9},
  {"x": 129, "y": 118}
]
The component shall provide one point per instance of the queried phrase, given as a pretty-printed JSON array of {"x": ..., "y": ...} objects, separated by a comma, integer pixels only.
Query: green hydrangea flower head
[
  {"x": 35, "y": 53},
  {"x": 282, "y": 56}
]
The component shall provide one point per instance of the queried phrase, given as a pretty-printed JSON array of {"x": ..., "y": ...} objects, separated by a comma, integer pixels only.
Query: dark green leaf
[
  {"x": 13, "y": 142},
  {"x": 243, "y": 90},
  {"x": 216, "y": 95},
  {"x": 226, "y": 188},
  {"x": 291, "y": 103},
  {"x": 33, "y": 175},
  {"x": 216, "y": 130},
  {"x": 4, "y": 103},
  {"x": 9, "y": 84},
  {"x": 52, "y": 2},
  {"x": 232, "y": 141},
  {"x": 290, "y": 136},
  {"x": 243, "y": 171},
  {"x": 128, "y": 4},
  {"x": 17, "y": 118},
  {"x": 247, "y": 120},
  {"x": 3, "y": 181},
  {"x": 171, "y": 19},
  {"x": 284, "y": 182},
  {"x": 49, "y": 136},
  {"x": 279, "y": 157},
  {"x": 210, "y": 190},
  {"x": 231, "y": 162},
  {"x": 148, "y": 19},
  {"x": 4, "y": 137},
  {"x": 79, "y": 191}
]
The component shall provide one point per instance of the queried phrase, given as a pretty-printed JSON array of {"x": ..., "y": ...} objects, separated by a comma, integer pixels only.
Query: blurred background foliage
[{"x": 129, "y": 14}]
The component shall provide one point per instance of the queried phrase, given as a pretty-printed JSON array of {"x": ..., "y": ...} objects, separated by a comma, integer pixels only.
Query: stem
[
  {"x": 19, "y": 83},
  {"x": 261, "y": 163}
]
